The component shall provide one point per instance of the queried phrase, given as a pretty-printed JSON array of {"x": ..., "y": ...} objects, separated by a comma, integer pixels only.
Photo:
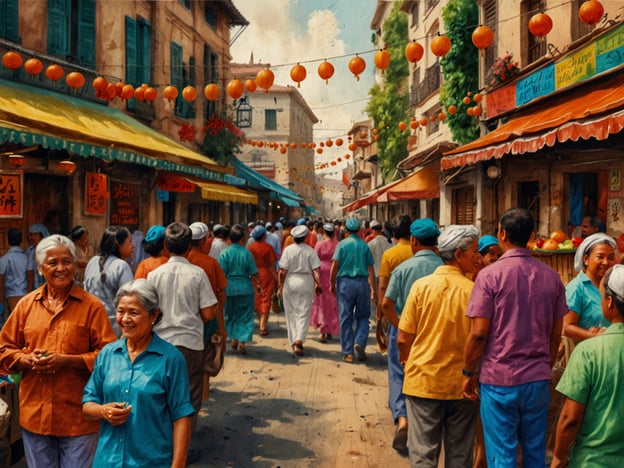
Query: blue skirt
[{"x": 239, "y": 317}]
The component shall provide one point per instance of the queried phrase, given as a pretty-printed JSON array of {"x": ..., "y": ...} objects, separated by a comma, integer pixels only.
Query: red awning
[
  {"x": 595, "y": 110},
  {"x": 422, "y": 184}
]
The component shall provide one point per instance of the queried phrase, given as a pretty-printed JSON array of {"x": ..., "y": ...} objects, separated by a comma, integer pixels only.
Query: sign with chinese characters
[
  {"x": 172, "y": 183},
  {"x": 615, "y": 180},
  {"x": 124, "y": 204},
  {"x": 96, "y": 193},
  {"x": 11, "y": 194}
]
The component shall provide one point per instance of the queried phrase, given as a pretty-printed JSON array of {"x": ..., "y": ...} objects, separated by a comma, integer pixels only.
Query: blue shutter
[
  {"x": 131, "y": 51},
  {"x": 9, "y": 20},
  {"x": 86, "y": 33},
  {"x": 59, "y": 17},
  {"x": 177, "y": 78},
  {"x": 144, "y": 57}
]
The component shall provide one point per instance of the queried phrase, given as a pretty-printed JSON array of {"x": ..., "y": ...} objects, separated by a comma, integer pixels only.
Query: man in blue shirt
[
  {"x": 13, "y": 273},
  {"x": 351, "y": 270}
]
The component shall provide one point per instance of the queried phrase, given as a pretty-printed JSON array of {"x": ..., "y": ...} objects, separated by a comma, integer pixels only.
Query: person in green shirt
[{"x": 589, "y": 430}]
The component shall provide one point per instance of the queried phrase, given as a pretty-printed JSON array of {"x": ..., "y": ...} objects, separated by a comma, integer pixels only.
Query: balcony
[{"x": 425, "y": 88}]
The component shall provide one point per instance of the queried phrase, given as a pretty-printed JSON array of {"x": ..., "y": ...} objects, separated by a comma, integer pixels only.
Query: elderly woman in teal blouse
[
  {"x": 139, "y": 389},
  {"x": 592, "y": 260}
]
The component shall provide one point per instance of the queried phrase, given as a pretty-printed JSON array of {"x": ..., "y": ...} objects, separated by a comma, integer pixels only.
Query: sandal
[
  {"x": 323, "y": 338},
  {"x": 234, "y": 344},
  {"x": 263, "y": 333},
  {"x": 243, "y": 349}
]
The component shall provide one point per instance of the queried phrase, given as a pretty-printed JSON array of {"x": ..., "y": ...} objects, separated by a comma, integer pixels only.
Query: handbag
[
  {"x": 276, "y": 308},
  {"x": 214, "y": 351}
]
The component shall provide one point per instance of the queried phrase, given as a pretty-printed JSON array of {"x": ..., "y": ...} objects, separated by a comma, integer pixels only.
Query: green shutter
[
  {"x": 9, "y": 20},
  {"x": 131, "y": 51},
  {"x": 177, "y": 78},
  {"x": 144, "y": 58},
  {"x": 59, "y": 17},
  {"x": 86, "y": 33}
]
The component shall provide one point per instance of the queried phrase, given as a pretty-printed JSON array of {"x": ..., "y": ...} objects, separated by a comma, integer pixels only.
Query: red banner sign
[
  {"x": 96, "y": 193},
  {"x": 173, "y": 183}
]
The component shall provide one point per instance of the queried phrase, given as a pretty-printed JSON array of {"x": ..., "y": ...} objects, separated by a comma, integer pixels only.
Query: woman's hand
[
  {"x": 318, "y": 290},
  {"x": 115, "y": 413}
]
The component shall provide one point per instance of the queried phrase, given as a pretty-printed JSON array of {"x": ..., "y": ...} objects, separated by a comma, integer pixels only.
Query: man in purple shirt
[{"x": 517, "y": 308}]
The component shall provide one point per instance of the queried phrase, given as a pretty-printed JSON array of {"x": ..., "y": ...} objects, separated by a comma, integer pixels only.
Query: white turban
[
  {"x": 587, "y": 244},
  {"x": 616, "y": 280},
  {"x": 452, "y": 235}
]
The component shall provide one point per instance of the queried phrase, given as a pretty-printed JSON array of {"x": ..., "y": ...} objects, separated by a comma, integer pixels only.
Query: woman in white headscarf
[{"x": 592, "y": 260}]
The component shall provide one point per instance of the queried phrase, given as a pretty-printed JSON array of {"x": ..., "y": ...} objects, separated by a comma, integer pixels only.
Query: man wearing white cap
[
  {"x": 517, "y": 308},
  {"x": 352, "y": 279},
  {"x": 432, "y": 333}
]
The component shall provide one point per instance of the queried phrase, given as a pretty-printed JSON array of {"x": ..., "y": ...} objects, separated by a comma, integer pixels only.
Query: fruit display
[{"x": 557, "y": 242}]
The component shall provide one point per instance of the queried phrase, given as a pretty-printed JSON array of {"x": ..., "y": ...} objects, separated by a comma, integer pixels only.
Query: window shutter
[
  {"x": 9, "y": 20},
  {"x": 131, "y": 51},
  {"x": 463, "y": 205},
  {"x": 144, "y": 58},
  {"x": 490, "y": 15},
  {"x": 86, "y": 33},
  {"x": 59, "y": 17},
  {"x": 177, "y": 74}
]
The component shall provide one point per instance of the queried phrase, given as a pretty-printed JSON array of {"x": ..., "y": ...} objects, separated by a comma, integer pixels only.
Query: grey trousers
[{"x": 431, "y": 420}]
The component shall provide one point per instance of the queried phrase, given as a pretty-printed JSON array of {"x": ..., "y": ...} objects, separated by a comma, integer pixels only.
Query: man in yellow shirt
[
  {"x": 394, "y": 256},
  {"x": 432, "y": 333}
]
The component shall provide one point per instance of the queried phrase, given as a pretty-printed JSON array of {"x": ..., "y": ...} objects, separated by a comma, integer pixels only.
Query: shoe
[
  {"x": 234, "y": 344},
  {"x": 348, "y": 358},
  {"x": 361, "y": 354},
  {"x": 323, "y": 338},
  {"x": 243, "y": 349},
  {"x": 263, "y": 333},
  {"x": 298, "y": 350},
  {"x": 399, "y": 443}
]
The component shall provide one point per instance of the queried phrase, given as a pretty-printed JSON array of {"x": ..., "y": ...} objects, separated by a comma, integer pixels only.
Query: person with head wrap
[
  {"x": 593, "y": 258},
  {"x": 298, "y": 281},
  {"x": 432, "y": 333},
  {"x": 265, "y": 258},
  {"x": 590, "y": 430},
  {"x": 352, "y": 279},
  {"x": 394, "y": 256},
  {"x": 154, "y": 246},
  {"x": 324, "y": 315},
  {"x": 424, "y": 239},
  {"x": 516, "y": 309}
]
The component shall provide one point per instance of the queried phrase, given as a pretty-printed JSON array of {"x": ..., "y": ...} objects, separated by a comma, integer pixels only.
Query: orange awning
[
  {"x": 595, "y": 110},
  {"x": 422, "y": 184}
]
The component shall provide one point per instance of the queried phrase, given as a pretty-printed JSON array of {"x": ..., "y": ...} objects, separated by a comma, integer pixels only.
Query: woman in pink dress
[{"x": 324, "y": 313}]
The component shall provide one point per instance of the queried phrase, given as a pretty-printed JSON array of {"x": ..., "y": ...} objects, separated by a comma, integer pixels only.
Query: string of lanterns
[{"x": 590, "y": 12}]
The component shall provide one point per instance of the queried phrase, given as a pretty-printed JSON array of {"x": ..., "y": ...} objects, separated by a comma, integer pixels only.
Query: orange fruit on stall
[{"x": 558, "y": 236}]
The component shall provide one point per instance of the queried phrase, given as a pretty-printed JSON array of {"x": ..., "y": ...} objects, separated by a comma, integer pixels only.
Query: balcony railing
[{"x": 428, "y": 86}]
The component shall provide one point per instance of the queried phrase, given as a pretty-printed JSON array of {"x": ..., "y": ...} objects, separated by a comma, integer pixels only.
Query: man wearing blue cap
[
  {"x": 424, "y": 239},
  {"x": 352, "y": 279}
]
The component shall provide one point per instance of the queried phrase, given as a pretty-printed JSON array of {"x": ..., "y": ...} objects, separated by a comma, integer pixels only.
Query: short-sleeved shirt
[
  {"x": 523, "y": 298},
  {"x": 394, "y": 256},
  {"x": 299, "y": 259},
  {"x": 38, "y": 278},
  {"x": 378, "y": 245},
  {"x": 149, "y": 264},
  {"x": 239, "y": 266},
  {"x": 423, "y": 263},
  {"x": 14, "y": 266},
  {"x": 354, "y": 257},
  {"x": 156, "y": 385},
  {"x": 118, "y": 273},
  {"x": 183, "y": 289},
  {"x": 218, "y": 246},
  {"x": 594, "y": 377},
  {"x": 584, "y": 298},
  {"x": 435, "y": 311}
]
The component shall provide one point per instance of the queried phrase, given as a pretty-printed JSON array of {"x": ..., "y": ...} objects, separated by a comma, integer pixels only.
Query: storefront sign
[
  {"x": 11, "y": 194},
  {"x": 173, "y": 183},
  {"x": 576, "y": 67},
  {"x": 125, "y": 203},
  {"x": 501, "y": 100},
  {"x": 610, "y": 50},
  {"x": 96, "y": 193},
  {"x": 536, "y": 84}
]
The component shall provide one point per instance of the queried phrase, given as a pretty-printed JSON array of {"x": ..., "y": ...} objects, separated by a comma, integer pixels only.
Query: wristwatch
[{"x": 468, "y": 373}]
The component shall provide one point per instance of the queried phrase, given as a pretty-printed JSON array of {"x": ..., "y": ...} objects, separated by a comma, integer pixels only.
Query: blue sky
[{"x": 284, "y": 32}]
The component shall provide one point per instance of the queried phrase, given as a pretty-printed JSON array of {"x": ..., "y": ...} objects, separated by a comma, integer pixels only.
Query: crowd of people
[{"x": 472, "y": 325}]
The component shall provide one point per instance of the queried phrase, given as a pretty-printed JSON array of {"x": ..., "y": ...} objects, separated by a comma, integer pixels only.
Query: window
[
  {"x": 211, "y": 75},
  {"x": 529, "y": 198},
  {"x": 270, "y": 119},
  {"x": 181, "y": 77},
  {"x": 9, "y": 20},
  {"x": 491, "y": 21},
  {"x": 579, "y": 29},
  {"x": 414, "y": 13},
  {"x": 535, "y": 47},
  {"x": 210, "y": 16},
  {"x": 71, "y": 30},
  {"x": 138, "y": 51},
  {"x": 462, "y": 210}
]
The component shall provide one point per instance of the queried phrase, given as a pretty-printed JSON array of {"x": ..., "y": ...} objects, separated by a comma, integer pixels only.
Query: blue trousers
[
  {"x": 396, "y": 398},
  {"x": 513, "y": 415},
  {"x": 59, "y": 452},
  {"x": 353, "y": 295}
]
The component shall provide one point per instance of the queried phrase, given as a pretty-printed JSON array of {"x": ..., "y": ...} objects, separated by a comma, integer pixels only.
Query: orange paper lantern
[
  {"x": 591, "y": 12},
  {"x": 265, "y": 79},
  {"x": 170, "y": 93},
  {"x": 357, "y": 65},
  {"x": 298, "y": 73},
  {"x": 440, "y": 45},
  {"x": 339, "y": 141},
  {"x": 33, "y": 66},
  {"x": 75, "y": 80},
  {"x": 325, "y": 71},
  {"x": 150, "y": 94},
  {"x": 127, "y": 92},
  {"x": 402, "y": 126},
  {"x": 482, "y": 37},
  {"x": 452, "y": 109},
  {"x": 414, "y": 51},
  {"x": 382, "y": 60},
  {"x": 189, "y": 93},
  {"x": 12, "y": 60},
  {"x": 54, "y": 72},
  {"x": 424, "y": 121},
  {"x": 139, "y": 93},
  {"x": 212, "y": 92},
  {"x": 540, "y": 24},
  {"x": 235, "y": 89},
  {"x": 100, "y": 84},
  {"x": 250, "y": 85}
]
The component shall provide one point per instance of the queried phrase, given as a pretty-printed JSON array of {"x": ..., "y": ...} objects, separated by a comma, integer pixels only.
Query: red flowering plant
[
  {"x": 187, "y": 132},
  {"x": 504, "y": 69},
  {"x": 222, "y": 139}
]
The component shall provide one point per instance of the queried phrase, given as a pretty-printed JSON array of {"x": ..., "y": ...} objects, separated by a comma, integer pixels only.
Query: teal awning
[{"x": 258, "y": 181}]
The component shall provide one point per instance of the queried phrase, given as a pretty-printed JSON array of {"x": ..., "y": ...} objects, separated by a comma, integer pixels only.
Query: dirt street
[{"x": 273, "y": 409}]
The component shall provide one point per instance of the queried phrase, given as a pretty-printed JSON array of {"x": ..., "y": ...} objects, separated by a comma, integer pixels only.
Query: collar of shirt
[
  {"x": 615, "y": 329},
  {"x": 425, "y": 253},
  {"x": 178, "y": 259},
  {"x": 75, "y": 292},
  {"x": 516, "y": 252},
  {"x": 155, "y": 345}
]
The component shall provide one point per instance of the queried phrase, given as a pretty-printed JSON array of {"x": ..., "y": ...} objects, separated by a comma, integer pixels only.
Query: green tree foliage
[
  {"x": 389, "y": 103},
  {"x": 460, "y": 67}
]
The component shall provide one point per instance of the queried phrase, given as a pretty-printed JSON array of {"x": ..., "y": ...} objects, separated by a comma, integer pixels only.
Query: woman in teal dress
[{"x": 242, "y": 275}]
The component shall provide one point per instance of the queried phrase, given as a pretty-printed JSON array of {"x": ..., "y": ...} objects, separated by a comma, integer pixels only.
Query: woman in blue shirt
[{"x": 139, "y": 389}]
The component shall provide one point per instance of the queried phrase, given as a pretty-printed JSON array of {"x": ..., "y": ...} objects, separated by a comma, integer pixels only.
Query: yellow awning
[
  {"x": 226, "y": 193},
  {"x": 30, "y": 115}
]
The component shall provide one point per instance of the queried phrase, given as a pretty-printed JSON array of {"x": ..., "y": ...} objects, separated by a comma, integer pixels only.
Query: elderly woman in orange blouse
[{"x": 53, "y": 337}]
